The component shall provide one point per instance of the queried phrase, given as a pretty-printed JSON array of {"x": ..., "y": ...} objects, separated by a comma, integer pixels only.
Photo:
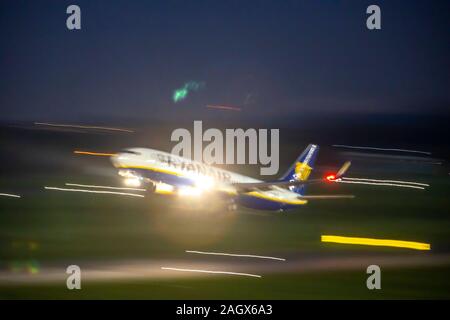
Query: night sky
[{"x": 270, "y": 58}]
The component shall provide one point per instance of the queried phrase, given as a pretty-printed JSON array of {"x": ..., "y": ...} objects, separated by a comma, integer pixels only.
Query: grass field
[{"x": 56, "y": 227}]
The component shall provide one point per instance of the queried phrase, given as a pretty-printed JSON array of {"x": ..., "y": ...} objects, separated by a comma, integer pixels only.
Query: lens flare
[{"x": 182, "y": 93}]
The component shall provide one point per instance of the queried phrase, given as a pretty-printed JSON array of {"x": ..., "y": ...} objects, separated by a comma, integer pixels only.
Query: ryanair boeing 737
[{"x": 165, "y": 173}]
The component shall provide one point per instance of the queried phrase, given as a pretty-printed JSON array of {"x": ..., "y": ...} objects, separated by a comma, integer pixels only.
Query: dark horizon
[{"x": 272, "y": 59}]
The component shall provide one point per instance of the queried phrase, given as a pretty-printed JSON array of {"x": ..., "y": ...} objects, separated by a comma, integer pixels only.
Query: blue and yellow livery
[{"x": 166, "y": 173}]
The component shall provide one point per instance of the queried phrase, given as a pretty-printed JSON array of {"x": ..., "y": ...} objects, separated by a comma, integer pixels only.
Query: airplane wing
[
  {"x": 262, "y": 186},
  {"x": 327, "y": 197}
]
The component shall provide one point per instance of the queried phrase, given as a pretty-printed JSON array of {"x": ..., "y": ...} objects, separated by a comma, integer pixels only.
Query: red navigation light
[{"x": 331, "y": 177}]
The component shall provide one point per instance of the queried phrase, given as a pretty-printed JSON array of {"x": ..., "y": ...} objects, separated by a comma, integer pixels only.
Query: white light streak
[
  {"x": 96, "y": 191},
  {"x": 381, "y": 149},
  {"x": 387, "y": 181},
  {"x": 80, "y": 126},
  {"x": 103, "y": 187},
  {"x": 235, "y": 255},
  {"x": 9, "y": 195},
  {"x": 213, "y": 272},
  {"x": 381, "y": 184}
]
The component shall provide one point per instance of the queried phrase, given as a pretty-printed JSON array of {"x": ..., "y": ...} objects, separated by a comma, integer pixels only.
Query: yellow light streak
[
  {"x": 94, "y": 153},
  {"x": 377, "y": 242}
]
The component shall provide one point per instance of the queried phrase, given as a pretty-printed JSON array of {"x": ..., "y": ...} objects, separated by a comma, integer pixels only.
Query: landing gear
[
  {"x": 231, "y": 206},
  {"x": 151, "y": 187}
]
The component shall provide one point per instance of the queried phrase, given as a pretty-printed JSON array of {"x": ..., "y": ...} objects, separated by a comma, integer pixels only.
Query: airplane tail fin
[{"x": 302, "y": 167}]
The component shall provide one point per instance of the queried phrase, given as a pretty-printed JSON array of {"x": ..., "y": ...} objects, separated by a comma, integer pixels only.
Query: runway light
[{"x": 377, "y": 242}]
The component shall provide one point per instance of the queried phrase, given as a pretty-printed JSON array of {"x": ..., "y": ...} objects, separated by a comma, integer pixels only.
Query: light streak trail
[
  {"x": 224, "y": 107},
  {"x": 377, "y": 242},
  {"x": 387, "y": 181},
  {"x": 96, "y": 191},
  {"x": 81, "y": 126},
  {"x": 381, "y": 149},
  {"x": 102, "y": 187},
  {"x": 235, "y": 255},
  {"x": 94, "y": 153},
  {"x": 381, "y": 184},
  {"x": 213, "y": 272},
  {"x": 10, "y": 195}
]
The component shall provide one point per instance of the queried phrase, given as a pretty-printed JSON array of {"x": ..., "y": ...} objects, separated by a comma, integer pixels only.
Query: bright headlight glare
[
  {"x": 132, "y": 182},
  {"x": 204, "y": 183},
  {"x": 189, "y": 191}
]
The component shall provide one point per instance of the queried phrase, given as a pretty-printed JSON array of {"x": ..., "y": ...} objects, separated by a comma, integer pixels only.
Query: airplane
[{"x": 165, "y": 173}]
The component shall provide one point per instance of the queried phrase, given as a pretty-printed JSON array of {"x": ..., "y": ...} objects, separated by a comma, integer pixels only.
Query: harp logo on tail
[{"x": 302, "y": 171}]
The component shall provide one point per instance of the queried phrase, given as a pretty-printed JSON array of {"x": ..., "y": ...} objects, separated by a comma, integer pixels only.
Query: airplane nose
[{"x": 115, "y": 160}]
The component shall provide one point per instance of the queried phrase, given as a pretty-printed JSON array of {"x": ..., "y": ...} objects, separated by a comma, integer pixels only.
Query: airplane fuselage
[{"x": 172, "y": 174}]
